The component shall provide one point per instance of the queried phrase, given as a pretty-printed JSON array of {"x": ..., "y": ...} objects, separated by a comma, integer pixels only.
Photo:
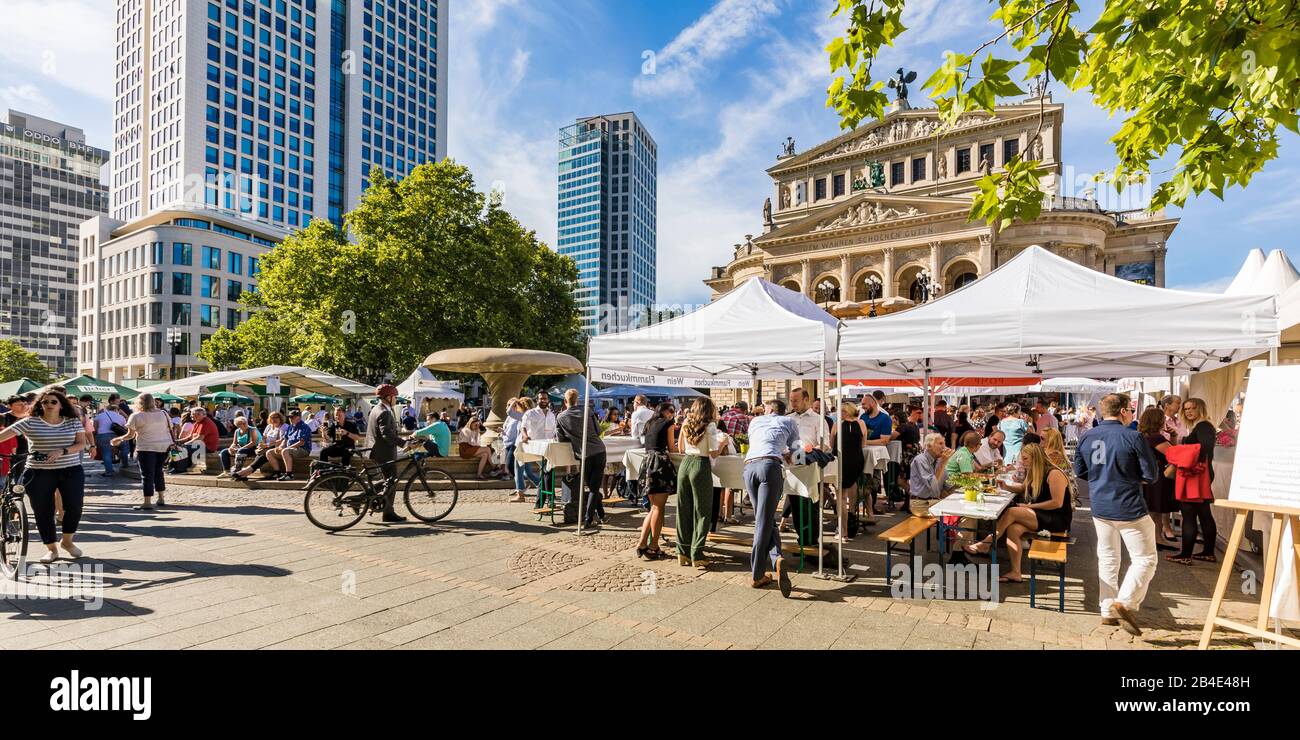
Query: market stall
[
  {"x": 1046, "y": 316},
  {"x": 757, "y": 331}
]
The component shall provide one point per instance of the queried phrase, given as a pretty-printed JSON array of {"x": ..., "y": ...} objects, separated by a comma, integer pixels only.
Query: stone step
[
  {"x": 212, "y": 481},
  {"x": 454, "y": 465}
]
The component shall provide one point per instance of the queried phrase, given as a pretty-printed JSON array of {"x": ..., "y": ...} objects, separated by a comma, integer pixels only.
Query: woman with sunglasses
[{"x": 56, "y": 436}]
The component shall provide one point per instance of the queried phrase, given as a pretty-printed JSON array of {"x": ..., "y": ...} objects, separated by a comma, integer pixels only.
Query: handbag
[{"x": 118, "y": 429}]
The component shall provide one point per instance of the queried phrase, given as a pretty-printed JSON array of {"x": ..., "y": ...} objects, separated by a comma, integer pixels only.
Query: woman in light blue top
[{"x": 1015, "y": 428}]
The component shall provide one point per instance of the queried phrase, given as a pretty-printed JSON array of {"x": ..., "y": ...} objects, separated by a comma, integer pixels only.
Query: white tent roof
[
  {"x": 1040, "y": 311},
  {"x": 1074, "y": 385},
  {"x": 757, "y": 329},
  {"x": 1241, "y": 284},
  {"x": 1276, "y": 276},
  {"x": 422, "y": 384},
  {"x": 301, "y": 379}
]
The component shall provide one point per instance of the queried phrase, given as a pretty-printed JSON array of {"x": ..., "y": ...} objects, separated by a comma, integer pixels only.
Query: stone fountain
[{"x": 504, "y": 370}]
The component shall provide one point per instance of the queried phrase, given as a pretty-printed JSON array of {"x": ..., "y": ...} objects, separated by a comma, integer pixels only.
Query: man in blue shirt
[
  {"x": 297, "y": 446},
  {"x": 772, "y": 438},
  {"x": 1116, "y": 460}
]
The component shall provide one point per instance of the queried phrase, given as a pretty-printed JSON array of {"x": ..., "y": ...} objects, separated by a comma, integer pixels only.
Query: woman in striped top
[{"x": 56, "y": 434}]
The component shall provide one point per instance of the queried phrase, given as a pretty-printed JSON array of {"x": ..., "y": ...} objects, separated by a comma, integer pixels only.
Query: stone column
[
  {"x": 986, "y": 254},
  {"x": 846, "y": 289},
  {"x": 1158, "y": 254},
  {"x": 806, "y": 277},
  {"x": 936, "y": 258},
  {"x": 890, "y": 287}
]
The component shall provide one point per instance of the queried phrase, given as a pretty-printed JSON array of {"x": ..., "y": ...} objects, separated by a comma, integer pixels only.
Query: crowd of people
[{"x": 1140, "y": 468}]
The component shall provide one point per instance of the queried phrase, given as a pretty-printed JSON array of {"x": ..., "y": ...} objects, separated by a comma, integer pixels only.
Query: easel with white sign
[{"x": 1265, "y": 480}]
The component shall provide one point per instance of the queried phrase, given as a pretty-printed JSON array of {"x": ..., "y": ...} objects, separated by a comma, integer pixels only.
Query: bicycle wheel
[
  {"x": 335, "y": 501},
  {"x": 431, "y": 494},
  {"x": 13, "y": 542}
]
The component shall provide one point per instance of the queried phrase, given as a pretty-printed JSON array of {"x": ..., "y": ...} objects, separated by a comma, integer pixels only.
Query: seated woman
[
  {"x": 244, "y": 440},
  {"x": 1047, "y": 490},
  {"x": 470, "y": 439}
]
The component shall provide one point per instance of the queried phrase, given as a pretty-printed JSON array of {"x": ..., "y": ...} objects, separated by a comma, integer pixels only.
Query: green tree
[
  {"x": 1209, "y": 82},
  {"x": 432, "y": 264},
  {"x": 17, "y": 363}
]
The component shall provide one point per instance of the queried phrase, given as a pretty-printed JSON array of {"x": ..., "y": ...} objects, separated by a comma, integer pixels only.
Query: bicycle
[
  {"x": 339, "y": 496},
  {"x": 13, "y": 520}
]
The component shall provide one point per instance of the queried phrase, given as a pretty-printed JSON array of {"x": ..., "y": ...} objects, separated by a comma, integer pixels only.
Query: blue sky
[{"x": 731, "y": 79}]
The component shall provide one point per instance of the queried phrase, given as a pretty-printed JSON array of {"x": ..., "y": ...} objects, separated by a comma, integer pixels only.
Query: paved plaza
[{"x": 237, "y": 568}]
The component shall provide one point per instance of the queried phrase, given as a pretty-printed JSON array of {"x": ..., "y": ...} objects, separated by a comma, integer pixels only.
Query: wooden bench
[
  {"x": 905, "y": 533},
  {"x": 1052, "y": 552}
]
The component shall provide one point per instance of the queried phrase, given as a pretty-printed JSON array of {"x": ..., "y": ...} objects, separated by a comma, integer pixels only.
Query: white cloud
[
  {"x": 68, "y": 43},
  {"x": 1282, "y": 210},
  {"x": 26, "y": 98},
  {"x": 485, "y": 130},
  {"x": 1217, "y": 285},
  {"x": 727, "y": 26}
]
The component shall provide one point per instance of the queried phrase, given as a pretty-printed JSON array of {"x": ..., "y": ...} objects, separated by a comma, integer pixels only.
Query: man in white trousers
[{"x": 1116, "y": 460}]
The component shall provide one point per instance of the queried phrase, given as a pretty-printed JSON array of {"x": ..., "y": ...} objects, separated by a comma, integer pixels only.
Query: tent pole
[
  {"x": 925, "y": 402},
  {"x": 841, "y": 501},
  {"x": 586, "y": 422},
  {"x": 821, "y": 487}
]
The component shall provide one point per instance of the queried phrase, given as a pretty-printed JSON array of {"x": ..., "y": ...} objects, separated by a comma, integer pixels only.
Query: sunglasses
[{"x": 50, "y": 402}]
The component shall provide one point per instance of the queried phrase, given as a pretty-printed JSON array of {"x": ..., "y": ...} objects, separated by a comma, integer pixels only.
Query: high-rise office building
[
  {"x": 608, "y": 204},
  {"x": 274, "y": 110},
  {"x": 49, "y": 184},
  {"x": 235, "y": 122}
]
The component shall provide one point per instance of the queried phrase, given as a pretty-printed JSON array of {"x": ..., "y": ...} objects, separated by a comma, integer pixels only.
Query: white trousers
[{"x": 1139, "y": 538}]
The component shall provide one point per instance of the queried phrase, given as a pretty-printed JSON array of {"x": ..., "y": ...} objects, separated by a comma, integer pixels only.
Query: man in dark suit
[
  {"x": 569, "y": 428},
  {"x": 384, "y": 443}
]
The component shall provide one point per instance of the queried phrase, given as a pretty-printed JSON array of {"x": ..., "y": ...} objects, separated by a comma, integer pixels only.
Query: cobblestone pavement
[{"x": 228, "y": 568}]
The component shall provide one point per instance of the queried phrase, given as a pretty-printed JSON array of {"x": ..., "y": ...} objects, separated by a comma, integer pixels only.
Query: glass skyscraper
[
  {"x": 608, "y": 203},
  {"x": 273, "y": 110},
  {"x": 49, "y": 184},
  {"x": 236, "y": 122}
]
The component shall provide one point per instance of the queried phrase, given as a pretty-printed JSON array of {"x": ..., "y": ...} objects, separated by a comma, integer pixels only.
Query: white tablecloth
[
  {"x": 878, "y": 456},
  {"x": 957, "y": 505},
  {"x": 895, "y": 451},
  {"x": 560, "y": 454},
  {"x": 729, "y": 472}
]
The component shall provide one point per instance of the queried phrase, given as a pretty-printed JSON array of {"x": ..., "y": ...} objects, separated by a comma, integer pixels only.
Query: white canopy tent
[
  {"x": 1243, "y": 283},
  {"x": 1275, "y": 274},
  {"x": 421, "y": 384},
  {"x": 301, "y": 379},
  {"x": 1075, "y": 385},
  {"x": 1043, "y": 314},
  {"x": 757, "y": 331}
]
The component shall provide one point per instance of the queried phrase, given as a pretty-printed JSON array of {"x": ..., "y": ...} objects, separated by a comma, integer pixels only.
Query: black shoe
[
  {"x": 1167, "y": 547},
  {"x": 393, "y": 518},
  {"x": 641, "y": 553},
  {"x": 783, "y": 578}
]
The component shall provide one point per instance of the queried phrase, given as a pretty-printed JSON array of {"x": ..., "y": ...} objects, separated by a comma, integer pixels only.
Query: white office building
[{"x": 162, "y": 283}]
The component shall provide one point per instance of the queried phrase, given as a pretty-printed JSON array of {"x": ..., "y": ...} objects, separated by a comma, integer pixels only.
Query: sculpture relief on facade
[
  {"x": 892, "y": 133},
  {"x": 866, "y": 212}
]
